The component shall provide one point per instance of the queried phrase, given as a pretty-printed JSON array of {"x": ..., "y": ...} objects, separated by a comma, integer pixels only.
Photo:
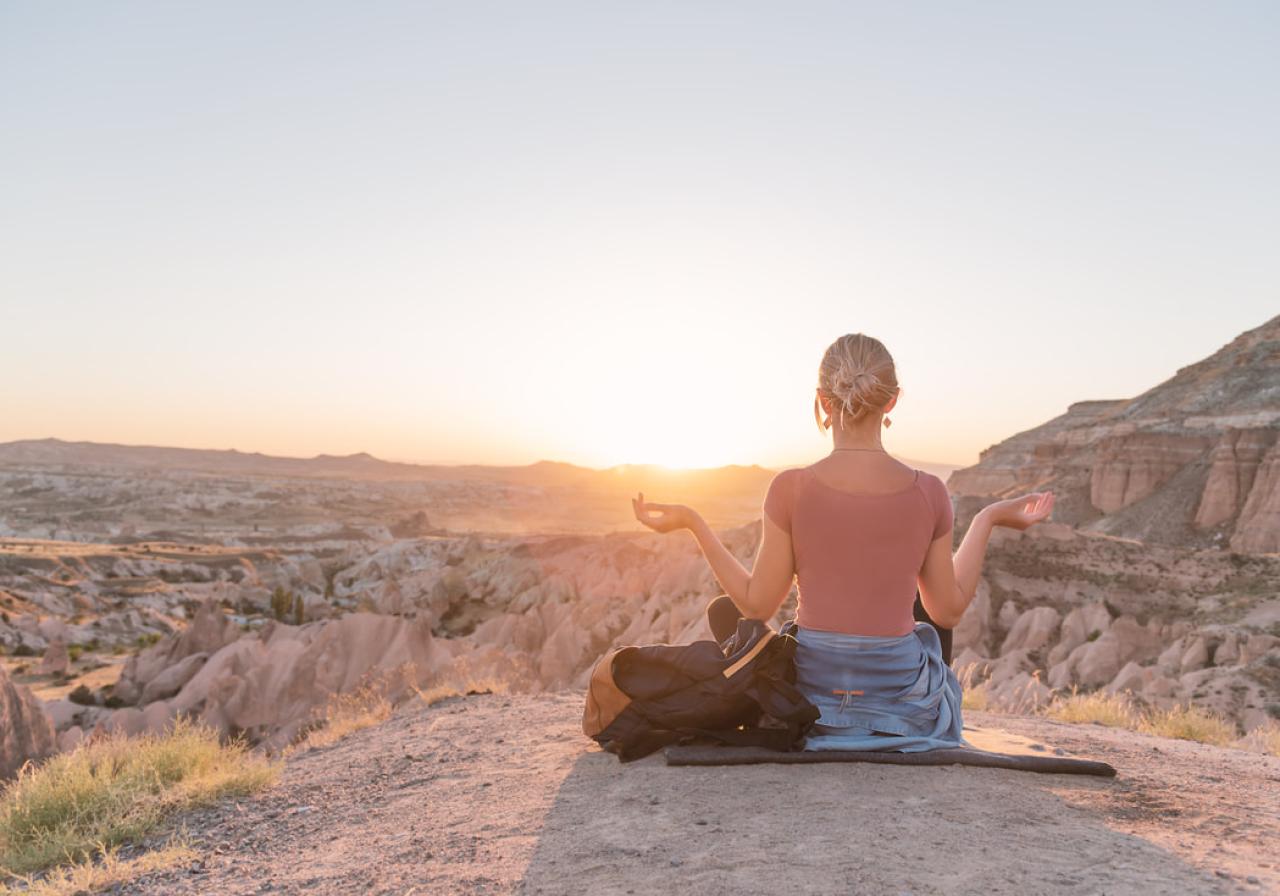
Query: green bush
[
  {"x": 287, "y": 605},
  {"x": 83, "y": 696}
]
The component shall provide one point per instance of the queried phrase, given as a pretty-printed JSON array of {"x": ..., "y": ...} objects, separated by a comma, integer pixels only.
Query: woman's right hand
[
  {"x": 1022, "y": 511},
  {"x": 670, "y": 517}
]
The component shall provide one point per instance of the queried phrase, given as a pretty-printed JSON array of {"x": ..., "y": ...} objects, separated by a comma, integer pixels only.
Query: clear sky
[{"x": 619, "y": 232}]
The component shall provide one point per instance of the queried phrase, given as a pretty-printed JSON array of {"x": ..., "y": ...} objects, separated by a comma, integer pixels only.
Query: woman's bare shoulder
[
  {"x": 789, "y": 476},
  {"x": 933, "y": 484}
]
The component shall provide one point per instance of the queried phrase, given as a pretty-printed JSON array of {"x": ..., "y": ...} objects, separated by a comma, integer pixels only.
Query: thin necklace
[{"x": 857, "y": 449}]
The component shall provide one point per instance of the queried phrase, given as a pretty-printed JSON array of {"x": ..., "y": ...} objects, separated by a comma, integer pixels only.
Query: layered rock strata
[{"x": 1192, "y": 461}]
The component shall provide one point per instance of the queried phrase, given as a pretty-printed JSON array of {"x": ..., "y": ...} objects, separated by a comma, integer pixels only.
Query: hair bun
[
  {"x": 857, "y": 371},
  {"x": 854, "y": 387}
]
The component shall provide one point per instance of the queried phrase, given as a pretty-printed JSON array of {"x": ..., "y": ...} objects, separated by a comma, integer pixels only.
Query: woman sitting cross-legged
[{"x": 867, "y": 540}]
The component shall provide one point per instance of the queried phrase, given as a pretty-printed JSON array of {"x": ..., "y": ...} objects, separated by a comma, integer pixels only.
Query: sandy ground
[{"x": 499, "y": 794}]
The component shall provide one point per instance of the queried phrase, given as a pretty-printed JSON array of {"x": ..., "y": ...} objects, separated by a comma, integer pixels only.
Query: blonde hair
[{"x": 856, "y": 373}]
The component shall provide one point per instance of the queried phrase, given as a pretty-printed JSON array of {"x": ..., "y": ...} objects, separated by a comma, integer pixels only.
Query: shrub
[
  {"x": 23, "y": 650},
  {"x": 82, "y": 695},
  {"x": 115, "y": 790},
  {"x": 285, "y": 604}
]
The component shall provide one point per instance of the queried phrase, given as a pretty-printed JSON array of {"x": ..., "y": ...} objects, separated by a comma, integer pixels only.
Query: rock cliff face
[
  {"x": 1194, "y": 460},
  {"x": 532, "y": 614},
  {"x": 1060, "y": 608},
  {"x": 26, "y": 731}
]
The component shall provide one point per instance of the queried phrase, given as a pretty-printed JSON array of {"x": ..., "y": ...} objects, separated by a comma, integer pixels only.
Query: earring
[{"x": 887, "y": 421}]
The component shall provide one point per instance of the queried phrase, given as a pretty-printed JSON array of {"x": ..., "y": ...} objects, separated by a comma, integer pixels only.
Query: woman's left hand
[
  {"x": 669, "y": 518},
  {"x": 1022, "y": 511}
]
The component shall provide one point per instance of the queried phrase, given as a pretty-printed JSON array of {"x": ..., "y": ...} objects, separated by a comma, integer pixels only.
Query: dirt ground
[{"x": 503, "y": 794}]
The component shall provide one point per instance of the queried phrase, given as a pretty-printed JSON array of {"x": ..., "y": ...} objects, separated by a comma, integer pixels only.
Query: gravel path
[{"x": 503, "y": 794}]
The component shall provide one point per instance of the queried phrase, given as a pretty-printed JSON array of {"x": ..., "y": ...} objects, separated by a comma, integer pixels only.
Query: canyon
[
  {"x": 1193, "y": 461},
  {"x": 142, "y": 584}
]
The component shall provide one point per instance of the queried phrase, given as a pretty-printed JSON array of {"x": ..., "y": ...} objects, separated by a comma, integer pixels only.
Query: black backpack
[{"x": 640, "y": 699}]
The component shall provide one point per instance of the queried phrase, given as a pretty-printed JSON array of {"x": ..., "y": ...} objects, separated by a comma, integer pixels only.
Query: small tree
[{"x": 281, "y": 603}]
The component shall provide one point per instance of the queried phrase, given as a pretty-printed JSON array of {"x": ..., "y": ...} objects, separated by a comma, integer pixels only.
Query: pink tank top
[{"x": 857, "y": 555}]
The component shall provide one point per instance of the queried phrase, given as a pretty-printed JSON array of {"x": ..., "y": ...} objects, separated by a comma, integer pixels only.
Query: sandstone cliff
[
  {"x": 1194, "y": 460},
  {"x": 25, "y": 730}
]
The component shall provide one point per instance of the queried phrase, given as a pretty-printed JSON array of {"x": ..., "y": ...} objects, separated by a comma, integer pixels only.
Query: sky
[{"x": 605, "y": 233}]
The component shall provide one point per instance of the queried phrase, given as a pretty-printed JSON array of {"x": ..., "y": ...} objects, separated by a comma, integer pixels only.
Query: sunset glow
[{"x": 546, "y": 235}]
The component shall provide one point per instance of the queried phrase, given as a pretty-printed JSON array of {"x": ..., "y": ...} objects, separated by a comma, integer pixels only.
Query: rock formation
[
  {"x": 1194, "y": 460},
  {"x": 1057, "y": 608},
  {"x": 26, "y": 732},
  {"x": 1168, "y": 625}
]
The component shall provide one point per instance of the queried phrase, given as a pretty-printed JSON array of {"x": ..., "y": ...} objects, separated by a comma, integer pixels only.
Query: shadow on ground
[{"x": 645, "y": 827}]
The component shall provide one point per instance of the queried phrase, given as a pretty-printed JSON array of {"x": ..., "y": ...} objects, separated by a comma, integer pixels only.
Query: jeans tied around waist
[{"x": 867, "y": 687}]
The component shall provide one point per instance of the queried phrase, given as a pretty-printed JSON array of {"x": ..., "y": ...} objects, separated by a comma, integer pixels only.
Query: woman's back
[{"x": 857, "y": 553}]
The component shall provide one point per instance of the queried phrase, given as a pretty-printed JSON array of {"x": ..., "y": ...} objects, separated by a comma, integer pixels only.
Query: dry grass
[
  {"x": 1263, "y": 739},
  {"x": 372, "y": 703},
  {"x": 1119, "y": 711},
  {"x": 344, "y": 714},
  {"x": 975, "y": 698},
  {"x": 1097, "y": 708},
  {"x": 1189, "y": 723},
  {"x": 437, "y": 692},
  {"x": 98, "y": 873},
  {"x": 80, "y": 804},
  {"x": 972, "y": 696}
]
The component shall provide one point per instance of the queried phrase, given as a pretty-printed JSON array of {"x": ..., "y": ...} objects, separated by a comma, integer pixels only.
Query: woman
[{"x": 862, "y": 534}]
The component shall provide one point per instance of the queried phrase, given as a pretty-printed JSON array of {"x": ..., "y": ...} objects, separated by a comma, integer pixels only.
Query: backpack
[{"x": 640, "y": 699}]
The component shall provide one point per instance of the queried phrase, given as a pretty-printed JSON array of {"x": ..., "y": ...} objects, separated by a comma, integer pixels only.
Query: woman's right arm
[{"x": 947, "y": 584}]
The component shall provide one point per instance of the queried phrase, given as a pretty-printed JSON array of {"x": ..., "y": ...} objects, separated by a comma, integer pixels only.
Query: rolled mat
[{"x": 1018, "y": 754}]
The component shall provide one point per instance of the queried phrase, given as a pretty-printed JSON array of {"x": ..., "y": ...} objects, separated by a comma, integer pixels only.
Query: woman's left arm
[{"x": 758, "y": 593}]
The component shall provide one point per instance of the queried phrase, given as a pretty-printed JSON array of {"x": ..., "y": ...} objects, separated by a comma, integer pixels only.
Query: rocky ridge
[
  {"x": 25, "y": 729},
  {"x": 1194, "y": 461},
  {"x": 1056, "y": 608}
]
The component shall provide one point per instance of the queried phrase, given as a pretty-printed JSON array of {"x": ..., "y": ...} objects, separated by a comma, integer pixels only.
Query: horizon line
[{"x": 420, "y": 463}]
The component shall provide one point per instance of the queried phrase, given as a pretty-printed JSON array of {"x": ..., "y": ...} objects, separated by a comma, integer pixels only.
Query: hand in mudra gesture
[
  {"x": 661, "y": 517},
  {"x": 1022, "y": 511}
]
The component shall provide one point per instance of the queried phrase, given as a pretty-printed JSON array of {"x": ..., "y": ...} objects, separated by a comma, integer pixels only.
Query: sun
[
  {"x": 668, "y": 452},
  {"x": 659, "y": 416}
]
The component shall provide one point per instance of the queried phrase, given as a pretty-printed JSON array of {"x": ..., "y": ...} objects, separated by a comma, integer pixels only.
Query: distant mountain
[
  {"x": 1194, "y": 460},
  {"x": 731, "y": 478}
]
